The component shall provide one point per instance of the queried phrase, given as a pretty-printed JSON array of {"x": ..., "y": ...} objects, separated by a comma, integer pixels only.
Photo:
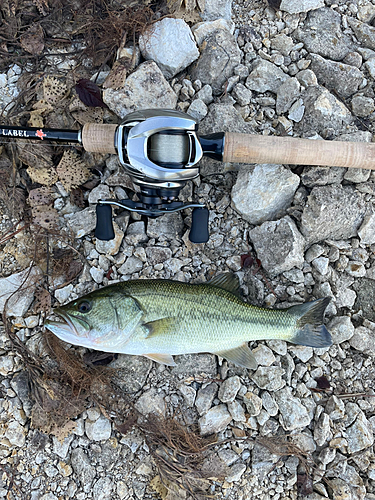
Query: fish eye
[{"x": 84, "y": 306}]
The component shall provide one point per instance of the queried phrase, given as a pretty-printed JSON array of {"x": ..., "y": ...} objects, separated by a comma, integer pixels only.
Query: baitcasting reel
[{"x": 160, "y": 150}]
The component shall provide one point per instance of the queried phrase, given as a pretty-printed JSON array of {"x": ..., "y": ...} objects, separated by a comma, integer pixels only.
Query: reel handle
[
  {"x": 104, "y": 225},
  {"x": 199, "y": 226}
]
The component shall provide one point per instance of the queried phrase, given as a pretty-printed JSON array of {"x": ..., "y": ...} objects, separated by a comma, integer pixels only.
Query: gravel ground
[{"x": 301, "y": 424}]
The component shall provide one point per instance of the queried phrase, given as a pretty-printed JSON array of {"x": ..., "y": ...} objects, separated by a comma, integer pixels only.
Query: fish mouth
[{"x": 66, "y": 330}]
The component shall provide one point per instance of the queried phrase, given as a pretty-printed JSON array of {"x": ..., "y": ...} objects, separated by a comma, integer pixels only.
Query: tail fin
[{"x": 310, "y": 329}]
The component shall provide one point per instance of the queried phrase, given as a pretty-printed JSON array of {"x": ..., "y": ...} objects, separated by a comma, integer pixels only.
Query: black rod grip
[
  {"x": 104, "y": 225},
  {"x": 199, "y": 226}
]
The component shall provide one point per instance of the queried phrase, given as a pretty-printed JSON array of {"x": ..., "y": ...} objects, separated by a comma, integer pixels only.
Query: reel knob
[
  {"x": 104, "y": 225},
  {"x": 199, "y": 226}
]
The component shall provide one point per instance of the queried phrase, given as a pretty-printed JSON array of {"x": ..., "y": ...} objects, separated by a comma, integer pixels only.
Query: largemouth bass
[{"x": 161, "y": 318}]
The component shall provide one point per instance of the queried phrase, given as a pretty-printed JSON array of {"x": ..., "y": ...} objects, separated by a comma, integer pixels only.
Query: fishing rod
[{"x": 160, "y": 150}]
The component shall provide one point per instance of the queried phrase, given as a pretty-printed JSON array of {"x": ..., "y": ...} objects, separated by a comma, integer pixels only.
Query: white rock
[
  {"x": 359, "y": 434},
  {"x": 262, "y": 193},
  {"x": 297, "y": 111},
  {"x": 99, "y": 430},
  {"x": 151, "y": 402},
  {"x": 15, "y": 433},
  {"x": 170, "y": 43},
  {"x": 367, "y": 230},
  {"x": 237, "y": 411},
  {"x": 263, "y": 355},
  {"x": 293, "y": 413},
  {"x": 302, "y": 352},
  {"x": 296, "y": 6},
  {"x": 97, "y": 274},
  {"x": 145, "y": 88},
  {"x": 19, "y": 301},
  {"x": 197, "y": 109},
  {"x": 341, "y": 329},
  {"x": 203, "y": 30},
  {"x": 110, "y": 247},
  {"x": 253, "y": 404},
  {"x": 321, "y": 264},
  {"x": 265, "y": 76},
  {"x": 229, "y": 388},
  {"x": 100, "y": 192},
  {"x": 6, "y": 364},
  {"x": 83, "y": 222},
  {"x": 215, "y": 420},
  {"x": 62, "y": 294},
  {"x": 236, "y": 472},
  {"x": 356, "y": 268}
]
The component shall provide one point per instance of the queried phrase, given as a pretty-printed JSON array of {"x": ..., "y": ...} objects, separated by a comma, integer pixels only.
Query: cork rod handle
[
  {"x": 247, "y": 148},
  {"x": 99, "y": 138}
]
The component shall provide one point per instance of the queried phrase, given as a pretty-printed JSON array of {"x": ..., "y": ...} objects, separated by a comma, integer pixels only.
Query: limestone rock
[
  {"x": 332, "y": 212},
  {"x": 359, "y": 434},
  {"x": 342, "y": 78},
  {"x": 98, "y": 430},
  {"x": 269, "y": 378},
  {"x": 229, "y": 388},
  {"x": 264, "y": 192},
  {"x": 322, "y": 34},
  {"x": 279, "y": 245},
  {"x": 364, "y": 32},
  {"x": 219, "y": 56},
  {"x": 83, "y": 222},
  {"x": 143, "y": 89},
  {"x": 215, "y": 420},
  {"x": 341, "y": 329},
  {"x": 293, "y": 413},
  {"x": 170, "y": 43},
  {"x": 19, "y": 288},
  {"x": 265, "y": 76},
  {"x": 296, "y": 6}
]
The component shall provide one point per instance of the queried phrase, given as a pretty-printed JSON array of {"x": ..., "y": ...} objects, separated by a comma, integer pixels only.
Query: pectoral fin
[
  {"x": 165, "y": 359},
  {"x": 160, "y": 326},
  {"x": 241, "y": 356}
]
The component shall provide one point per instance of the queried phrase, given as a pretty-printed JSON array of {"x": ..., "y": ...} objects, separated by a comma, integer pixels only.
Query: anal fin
[
  {"x": 165, "y": 359},
  {"x": 241, "y": 356}
]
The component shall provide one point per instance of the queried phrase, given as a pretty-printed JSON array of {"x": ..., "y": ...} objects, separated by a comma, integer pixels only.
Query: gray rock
[
  {"x": 357, "y": 175},
  {"x": 353, "y": 59},
  {"x": 359, "y": 434},
  {"x": 279, "y": 245},
  {"x": 15, "y": 433},
  {"x": 362, "y": 106},
  {"x": 263, "y": 355},
  {"x": 335, "y": 408},
  {"x": 136, "y": 233},
  {"x": 205, "y": 94},
  {"x": 157, "y": 255},
  {"x": 82, "y": 467},
  {"x": 203, "y": 30},
  {"x": 263, "y": 461},
  {"x": 83, "y": 222},
  {"x": 367, "y": 230},
  {"x": 302, "y": 352},
  {"x": 131, "y": 265},
  {"x": 370, "y": 66},
  {"x": 191, "y": 365},
  {"x": 282, "y": 43},
  {"x": 363, "y": 339},
  {"x": 102, "y": 489},
  {"x": 296, "y": 6},
  {"x": 365, "y": 297},
  {"x": 253, "y": 403},
  {"x": 293, "y": 413},
  {"x": 170, "y": 43},
  {"x": 110, "y": 247},
  {"x": 189, "y": 394},
  {"x": 269, "y": 404},
  {"x": 237, "y": 411},
  {"x": 263, "y": 192},
  {"x": 204, "y": 398},
  {"x": 235, "y": 473},
  {"x": 265, "y": 76},
  {"x": 341, "y": 329},
  {"x": 130, "y": 372},
  {"x": 332, "y": 212},
  {"x": 151, "y": 401},
  {"x": 321, "y": 176},
  {"x": 269, "y": 378},
  {"x": 323, "y": 111},
  {"x": 229, "y": 388},
  {"x": 20, "y": 385},
  {"x": 216, "y": 9},
  {"x": 167, "y": 226},
  {"x": 322, "y": 34},
  {"x": 242, "y": 94},
  {"x": 19, "y": 288},
  {"x": 98, "y": 430},
  {"x": 297, "y": 110},
  {"x": 61, "y": 448},
  {"x": 322, "y": 430},
  {"x": 100, "y": 192},
  {"x": 364, "y": 32},
  {"x": 143, "y": 89},
  {"x": 219, "y": 56},
  {"x": 342, "y": 78},
  {"x": 197, "y": 109},
  {"x": 307, "y": 78},
  {"x": 228, "y": 456},
  {"x": 287, "y": 93},
  {"x": 215, "y": 420},
  {"x": 321, "y": 264},
  {"x": 356, "y": 268}
]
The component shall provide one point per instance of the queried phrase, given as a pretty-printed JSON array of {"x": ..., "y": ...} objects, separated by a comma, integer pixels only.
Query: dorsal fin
[{"x": 227, "y": 281}]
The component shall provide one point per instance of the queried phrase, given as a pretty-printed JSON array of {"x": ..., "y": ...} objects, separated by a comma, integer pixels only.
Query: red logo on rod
[{"x": 40, "y": 134}]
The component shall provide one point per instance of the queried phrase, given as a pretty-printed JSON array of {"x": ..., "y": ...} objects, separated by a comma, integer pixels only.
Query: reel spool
[{"x": 159, "y": 149}]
